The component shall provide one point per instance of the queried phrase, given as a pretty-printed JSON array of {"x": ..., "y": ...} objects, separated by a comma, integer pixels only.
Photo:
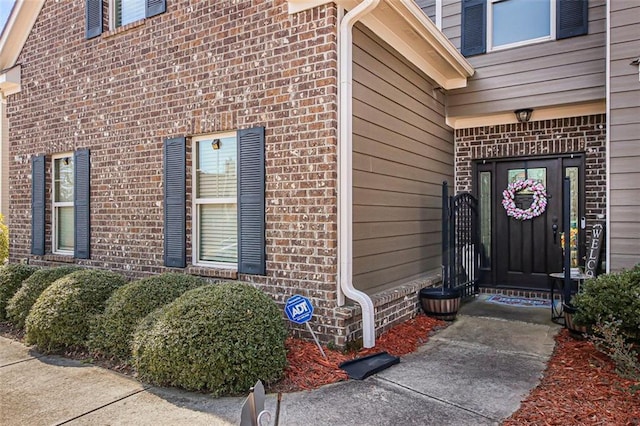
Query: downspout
[
  {"x": 607, "y": 149},
  {"x": 345, "y": 177}
]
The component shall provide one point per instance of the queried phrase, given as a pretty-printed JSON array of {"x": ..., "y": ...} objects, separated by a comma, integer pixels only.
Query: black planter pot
[
  {"x": 569, "y": 310},
  {"x": 440, "y": 303}
]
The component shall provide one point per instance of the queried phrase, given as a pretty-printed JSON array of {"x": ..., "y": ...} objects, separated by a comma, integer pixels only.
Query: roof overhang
[
  {"x": 17, "y": 29},
  {"x": 10, "y": 81},
  {"x": 539, "y": 114},
  {"x": 403, "y": 25}
]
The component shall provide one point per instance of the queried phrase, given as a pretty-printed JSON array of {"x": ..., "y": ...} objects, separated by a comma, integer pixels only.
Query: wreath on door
[{"x": 536, "y": 208}]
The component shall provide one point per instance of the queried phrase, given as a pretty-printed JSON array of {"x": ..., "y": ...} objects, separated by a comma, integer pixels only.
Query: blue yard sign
[{"x": 298, "y": 309}]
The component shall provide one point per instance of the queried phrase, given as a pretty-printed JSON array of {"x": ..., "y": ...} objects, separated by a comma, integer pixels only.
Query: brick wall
[
  {"x": 200, "y": 67},
  {"x": 559, "y": 136}
]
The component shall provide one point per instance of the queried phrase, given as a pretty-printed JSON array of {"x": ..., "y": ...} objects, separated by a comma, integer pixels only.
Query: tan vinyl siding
[
  {"x": 402, "y": 151},
  {"x": 537, "y": 75},
  {"x": 451, "y": 10},
  {"x": 624, "y": 136},
  {"x": 428, "y": 7}
]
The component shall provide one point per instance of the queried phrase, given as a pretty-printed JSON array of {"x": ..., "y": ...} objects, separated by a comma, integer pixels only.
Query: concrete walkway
[{"x": 475, "y": 372}]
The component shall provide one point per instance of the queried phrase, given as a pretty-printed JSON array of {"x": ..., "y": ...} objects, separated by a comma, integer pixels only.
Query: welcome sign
[{"x": 593, "y": 252}]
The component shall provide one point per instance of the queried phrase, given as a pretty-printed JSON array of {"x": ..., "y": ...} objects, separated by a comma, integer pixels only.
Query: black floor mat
[{"x": 361, "y": 368}]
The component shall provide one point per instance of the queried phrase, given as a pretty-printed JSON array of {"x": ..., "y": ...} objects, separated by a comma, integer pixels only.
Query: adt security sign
[{"x": 298, "y": 309}]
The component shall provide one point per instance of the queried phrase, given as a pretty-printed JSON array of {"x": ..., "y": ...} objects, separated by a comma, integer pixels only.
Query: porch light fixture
[
  {"x": 216, "y": 144},
  {"x": 523, "y": 115}
]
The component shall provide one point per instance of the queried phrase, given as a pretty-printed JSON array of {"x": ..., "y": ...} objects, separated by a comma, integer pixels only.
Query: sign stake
[{"x": 316, "y": 339}]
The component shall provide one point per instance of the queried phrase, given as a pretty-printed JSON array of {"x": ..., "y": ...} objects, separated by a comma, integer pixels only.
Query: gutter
[{"x": 345, "y": 172}]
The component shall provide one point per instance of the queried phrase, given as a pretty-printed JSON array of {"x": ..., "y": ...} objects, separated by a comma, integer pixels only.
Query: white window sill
[{"x": 519, "y": 44}]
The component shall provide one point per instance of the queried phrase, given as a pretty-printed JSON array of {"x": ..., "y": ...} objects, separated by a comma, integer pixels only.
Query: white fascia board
[
  {"x": 433, "y": 35},
  {"x": 17, "y": 29},
  {"x": 10, "y": 81}
]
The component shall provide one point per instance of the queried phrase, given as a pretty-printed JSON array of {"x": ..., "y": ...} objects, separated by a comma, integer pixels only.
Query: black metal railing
[{"x": 460, "y": 242}]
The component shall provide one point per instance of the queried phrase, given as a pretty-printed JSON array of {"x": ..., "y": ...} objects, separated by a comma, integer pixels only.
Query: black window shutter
[
  {"x": 572, "y": 18},
  {"x": 38, "y": 199},
  {"x": 251, "y": 186},
  {"x": 93, "y": 18},
  {"x": 175, "y": 202},
  {"x": 155, "y": 7},
  {"x": 474, "y": 27},
  {"x": 81, "y": 210}
]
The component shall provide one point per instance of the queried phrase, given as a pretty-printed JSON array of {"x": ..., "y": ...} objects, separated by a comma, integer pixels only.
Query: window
[
  {"x": 127, "y": 11},
  {"x": 484, "y": 199},
  {"x": 63, "y": 222},
  {"x": 70, "y": 202},
  {"x": 216, "y": 199},
  {"x": 121, "y": 12},
  {"x": 124, "y": 12},
  {"x": 489, "y": 25},
  {"x": 517, "y": 22},
  {"x": 574, "y": 242},
  {"x": 228, "y": 201}
]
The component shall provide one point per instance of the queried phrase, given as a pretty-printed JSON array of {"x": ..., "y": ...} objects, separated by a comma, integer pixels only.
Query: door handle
[{"x": 554, "y": 227}]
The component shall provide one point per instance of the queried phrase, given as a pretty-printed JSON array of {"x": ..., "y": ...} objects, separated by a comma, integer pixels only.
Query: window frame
[
  {"x": 439, "y": 14},
  {"x": 55, "y": 205},
  {"x": 552, "y": 28},
  {"x": 198, "y": 202}
]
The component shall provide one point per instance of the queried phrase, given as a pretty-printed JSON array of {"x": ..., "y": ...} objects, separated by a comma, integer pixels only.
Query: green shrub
[
  {"x": 11, "y": 277},
  {"x": 4, "y": 240},
  {"x": 218, "y": 338},
  {"x": 62, "y": 314},
  {"x": 611, "y": 297},
  {"x": 113, "y": 330},
  {"x": 608, "y": 340},
  {"x": 20, "y": 304}
]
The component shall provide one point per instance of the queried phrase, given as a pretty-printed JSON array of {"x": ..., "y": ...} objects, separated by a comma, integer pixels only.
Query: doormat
[{"x": 519, "y": 301}]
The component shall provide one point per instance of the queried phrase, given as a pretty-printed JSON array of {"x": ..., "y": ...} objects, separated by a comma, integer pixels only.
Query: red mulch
[
  {"x": 307, "y": 369},
  {"x": 579, "y": 387}
]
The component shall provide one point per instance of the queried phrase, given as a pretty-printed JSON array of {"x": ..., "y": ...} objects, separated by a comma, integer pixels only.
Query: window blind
[
  {"x": 129, "y": 11},
  {"x": 219, "y": 233}
]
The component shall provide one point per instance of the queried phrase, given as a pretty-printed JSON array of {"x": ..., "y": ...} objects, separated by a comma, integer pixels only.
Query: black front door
[{"x": 522, "y": 252}]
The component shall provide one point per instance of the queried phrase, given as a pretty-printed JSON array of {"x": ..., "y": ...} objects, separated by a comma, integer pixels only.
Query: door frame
[{"x": 488, "y": 272}]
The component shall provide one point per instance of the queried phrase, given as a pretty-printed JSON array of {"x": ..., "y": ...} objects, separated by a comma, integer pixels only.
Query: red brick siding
[{"x": 200, "y": 67}]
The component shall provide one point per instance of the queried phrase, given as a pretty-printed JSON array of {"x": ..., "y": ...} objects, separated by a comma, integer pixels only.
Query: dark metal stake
[{"x": 445, "y": 234}]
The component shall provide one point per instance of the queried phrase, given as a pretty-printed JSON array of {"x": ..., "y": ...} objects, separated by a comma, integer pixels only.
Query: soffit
[
  {"x": 539, "y": 114},
  {"x": 403, "y": 25},
  {"x": 10, "y": 81}
]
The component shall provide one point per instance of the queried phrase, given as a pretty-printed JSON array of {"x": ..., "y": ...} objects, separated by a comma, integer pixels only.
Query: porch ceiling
[{"x": 403, "y": 25}]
